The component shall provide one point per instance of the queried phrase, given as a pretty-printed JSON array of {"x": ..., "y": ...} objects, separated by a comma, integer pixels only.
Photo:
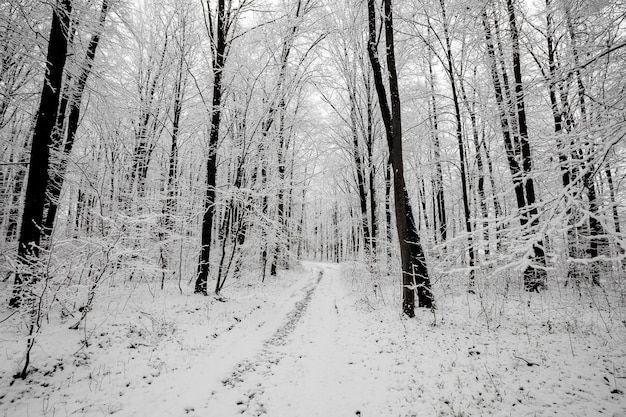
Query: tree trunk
[
  {"x": 58, "y": 174},
  {"x": 595, "y": 227},
  {"x": 172, "y": 175},
  {"x": 461, "y": 145},
  {"x": 535, "y": 274},
  {"x": 388, "y": 209},
  {"x": 480, "y": 165},
  {"x": 38, "y": 172},
  {"x": 372, "y": 171},
  {"x": 360, "y": 179},
  {"x": 219, "y": 60},
  {"x": 283, "y": 145},
  {"x": 414, "y": 271},
  {"x": 517, "y": 148},
  {"x": 148, "y": 129},
  {"x": 609, "y": 180},
  {"x": 440, "y": 201}
]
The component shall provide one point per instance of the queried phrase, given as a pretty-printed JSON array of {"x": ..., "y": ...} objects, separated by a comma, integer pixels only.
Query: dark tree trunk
[
  {"x": 423, "y": 202},
  {"x": 414, "y": 271},
  {"x": 172, "y": 175},
  {"x": 557, "y": 112},
  {"x": 219, "y": 59},
  {"x": 497, "y": 208},
  {"x": 360, "y": 179},
  {"x": 509, "y": 124},
  {"x": 440, "y": 201},
  {"x": 609, "y": 180},
  {"x": 461, "y": 145},
  {"x": 169, "y": 208},
  {"x": 517, "y": 148},
  {"x": 534, "y": 275},
  {"x": 372, "y": 171},
  {"x": 38, "y": 172},
  {"x": 388, "y": 209},
  {"x": 567, "y": 174},
  {"x": 595, "y": 227},
  {"x": 58, "y": 173},
  {"x": 148, "y": 128},
  {"x": 282, "y": 222},
  {"x": 482, "y": 195}
]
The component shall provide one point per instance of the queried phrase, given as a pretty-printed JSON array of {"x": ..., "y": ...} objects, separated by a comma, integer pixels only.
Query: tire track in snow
[
  {"x": 278, "y": 339},
  {"x": 262, "y": 363}
]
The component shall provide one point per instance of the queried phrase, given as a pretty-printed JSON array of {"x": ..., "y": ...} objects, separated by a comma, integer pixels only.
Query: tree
[
  {"x": 451, "y": 71},
  {"x": 19, "y": 91},
  {"x": 38, "y": 170},
  {"x": 440, "y": 201},
  {"x": 220, "y": 24},
  {"x": 74, "y": 96},
  {"x": 513, "y": 122},
  {"x": 414, "y": 270},
  {"x": 354, "y": 100},
  {"x": 534, "y": 274}
]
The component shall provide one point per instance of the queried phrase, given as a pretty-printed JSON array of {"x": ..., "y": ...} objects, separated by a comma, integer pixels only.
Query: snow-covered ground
[{"x": 320, "y": 341}]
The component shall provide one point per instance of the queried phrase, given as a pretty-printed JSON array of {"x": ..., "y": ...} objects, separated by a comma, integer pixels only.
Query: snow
[{"x": 320, "y": 341}]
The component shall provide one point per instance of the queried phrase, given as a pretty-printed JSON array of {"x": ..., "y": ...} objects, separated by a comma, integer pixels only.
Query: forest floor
[{"x": 320, "y": 341}]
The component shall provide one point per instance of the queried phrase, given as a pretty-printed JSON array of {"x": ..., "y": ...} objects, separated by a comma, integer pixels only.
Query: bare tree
[
  {"x": 63, "y": 148},
  {"x": 414, "y": 270},
  {"x": 38, "y": 170},
  {"x": 220, "y": 25},
  {"x": 513, "y": 122}
]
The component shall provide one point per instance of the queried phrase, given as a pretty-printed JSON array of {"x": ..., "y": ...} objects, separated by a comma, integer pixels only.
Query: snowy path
[{"x": 319, "y": 363}]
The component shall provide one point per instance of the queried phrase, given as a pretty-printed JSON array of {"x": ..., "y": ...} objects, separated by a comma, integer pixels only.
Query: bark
[{"x": 38, "y": 170}]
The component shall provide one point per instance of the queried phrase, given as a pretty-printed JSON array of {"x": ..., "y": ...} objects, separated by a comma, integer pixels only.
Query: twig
[
  {"x": 529, "y": 363},
  {"x": 8, "y": 317},
  {"x": 498, "y": 395}
]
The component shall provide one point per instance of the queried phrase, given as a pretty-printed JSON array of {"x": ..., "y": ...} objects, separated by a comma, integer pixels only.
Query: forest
[{"x": 422, "y": 163}]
